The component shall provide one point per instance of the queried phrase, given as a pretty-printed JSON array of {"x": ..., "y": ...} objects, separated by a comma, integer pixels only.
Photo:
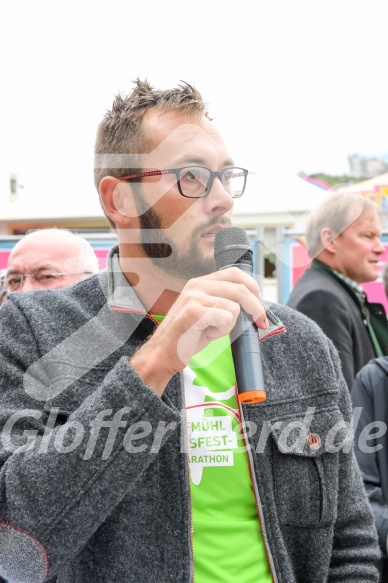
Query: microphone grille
[{"x": 232, "y": 246}]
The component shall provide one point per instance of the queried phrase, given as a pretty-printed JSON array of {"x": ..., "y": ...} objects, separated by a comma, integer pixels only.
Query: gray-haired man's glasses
[
  {"x": 14, "y": 281},
  {"x": 197, "y": 181}
]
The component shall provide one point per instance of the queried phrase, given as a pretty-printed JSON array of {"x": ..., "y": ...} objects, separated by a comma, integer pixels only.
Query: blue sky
[{"x": 293, "y": 86}]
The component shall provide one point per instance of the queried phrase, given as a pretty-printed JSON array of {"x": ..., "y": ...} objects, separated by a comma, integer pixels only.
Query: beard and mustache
[{"x": 185, "y": 261}]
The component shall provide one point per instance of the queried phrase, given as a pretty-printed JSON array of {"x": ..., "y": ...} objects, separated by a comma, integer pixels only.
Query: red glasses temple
[{"x": 145, "y": 174}]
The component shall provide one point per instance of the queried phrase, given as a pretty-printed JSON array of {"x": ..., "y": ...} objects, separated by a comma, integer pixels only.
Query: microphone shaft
[{"x": 245, "y": 346}]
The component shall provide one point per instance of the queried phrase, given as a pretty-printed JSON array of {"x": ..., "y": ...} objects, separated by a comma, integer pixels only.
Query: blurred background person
[
  {"x": 343, "y": 240},
  {"x": 49, "y": 258},
  {"x": 370, "y": 393}
]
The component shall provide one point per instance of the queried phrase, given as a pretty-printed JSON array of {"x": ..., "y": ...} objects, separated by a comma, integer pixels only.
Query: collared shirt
[
  {"x": 356, "y": 287},
  {"x": 360, "y": 293}
]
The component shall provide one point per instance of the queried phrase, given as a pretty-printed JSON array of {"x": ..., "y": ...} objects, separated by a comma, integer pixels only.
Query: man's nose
[
  {"x": 218, "y": 199},
  {"x": 379, "y": 247}
]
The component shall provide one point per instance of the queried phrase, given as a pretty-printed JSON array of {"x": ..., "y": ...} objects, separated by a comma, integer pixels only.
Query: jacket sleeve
[
  {"x": 367, "y": 382},
  {"x": 59, "y": 484},
  {"x": 333, "y": 318}
]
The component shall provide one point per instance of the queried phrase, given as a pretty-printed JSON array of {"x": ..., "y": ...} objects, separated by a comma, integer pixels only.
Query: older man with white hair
[
  {"x": 49, "y": 258},
  {"x": 343, "y": 237}
]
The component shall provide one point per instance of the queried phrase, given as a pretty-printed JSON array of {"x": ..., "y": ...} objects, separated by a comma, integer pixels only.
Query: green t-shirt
[{"x": 227, "y": 540}]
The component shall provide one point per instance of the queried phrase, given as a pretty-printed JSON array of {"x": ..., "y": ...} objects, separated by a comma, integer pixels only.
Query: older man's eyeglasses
[
  {"x": 14, "y": 281},
  {"x": 197, "y": 181}
]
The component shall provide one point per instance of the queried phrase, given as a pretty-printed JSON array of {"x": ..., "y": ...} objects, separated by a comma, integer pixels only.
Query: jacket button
[{"x": 314, "y": 441}]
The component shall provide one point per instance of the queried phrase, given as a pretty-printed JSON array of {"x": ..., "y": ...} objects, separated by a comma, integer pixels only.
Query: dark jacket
[
  {"x": 91, "y": 502},
  {"x": 370, "y": 394},
  {"x": 335, "y": 308}
]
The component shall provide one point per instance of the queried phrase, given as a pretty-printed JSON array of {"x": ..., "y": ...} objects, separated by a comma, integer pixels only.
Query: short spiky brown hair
[{"x": 121, "y": 138}]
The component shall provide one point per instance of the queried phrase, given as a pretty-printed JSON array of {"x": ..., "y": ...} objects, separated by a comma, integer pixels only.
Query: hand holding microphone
[
  {"x": 232, "y": 248},
  {"x": 208, "y": 308}
]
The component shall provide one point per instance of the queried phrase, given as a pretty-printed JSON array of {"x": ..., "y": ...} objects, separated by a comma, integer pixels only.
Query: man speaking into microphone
[{"x": 146, "y": 434}]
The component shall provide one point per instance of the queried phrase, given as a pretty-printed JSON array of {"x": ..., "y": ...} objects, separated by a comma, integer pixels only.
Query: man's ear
[
  {"x": 118, "y": 201},
  {"x": 328, "y": 240}
]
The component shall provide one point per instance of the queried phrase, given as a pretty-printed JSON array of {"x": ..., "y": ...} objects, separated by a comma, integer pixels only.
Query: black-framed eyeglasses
[
  {"x": 14, "y": 281},
  {"x": 197, "y": 181}
]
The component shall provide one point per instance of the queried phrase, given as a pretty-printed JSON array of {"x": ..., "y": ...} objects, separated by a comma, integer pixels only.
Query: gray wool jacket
[{"x": 94, "y": 483}]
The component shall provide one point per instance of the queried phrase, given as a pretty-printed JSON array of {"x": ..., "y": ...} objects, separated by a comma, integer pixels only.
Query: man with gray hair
[
  {"x": 343, "y": 240},
  {"x": 49, "y": 258}
]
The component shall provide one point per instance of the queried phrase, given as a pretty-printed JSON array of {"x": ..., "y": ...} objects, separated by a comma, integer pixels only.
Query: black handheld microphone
[{"x": 232, "y": 248}]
